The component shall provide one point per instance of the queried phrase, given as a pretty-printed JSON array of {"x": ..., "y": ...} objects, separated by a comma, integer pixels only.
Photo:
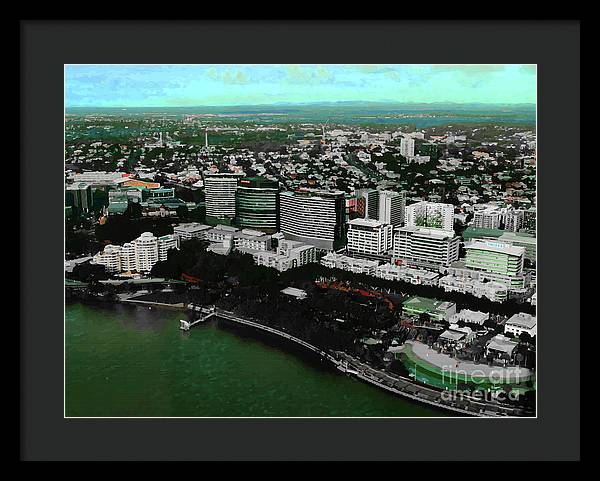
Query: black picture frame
[{"x": 47, "y": 45}]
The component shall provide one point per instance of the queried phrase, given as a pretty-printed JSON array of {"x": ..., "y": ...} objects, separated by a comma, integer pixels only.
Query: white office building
[
  {"x": 221, "y": 233},
  {"x": 128, "y": 262},
  {"x": 110, "y": 258},
  {"x": 289, "y": 254},
  {"x": 367, "y": 236},
  {"x": 391, "y": 207},
  {"x": 220, "y": 190},
  {"x": 251, "y": 240},
  {"x": 488, "y": 218},
  {"x": 514, "y": 219},
  {"x": 407, "y": 146},
  {"x": 139, "y": 255},
  {"x": 423, "y": 247},
  {"x": 497, "y": 261},
  {"x": 432, "y": 215},
  {"x": 316, "y": 217},
  {"x": 191, "y": 230},
  {"x": 146, "y": 251},
  {"x": 165, "y": 243}
]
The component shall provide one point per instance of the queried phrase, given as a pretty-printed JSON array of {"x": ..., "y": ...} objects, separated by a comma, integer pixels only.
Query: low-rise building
[
  {"x": 221, "y": 233},
  {"x": 191, "y": 230},
  {"x": 437, "y": 310},
  {"x": 501, "y": 347},
  {"x": 494, "y": 291},
  {"x": 289, "y": 254},
  {"x": 393, "y": 272},
  {"x": 251, "y": 239},
  {"x": 455, "y": 337},
  {"x": 294, "y": 292},
  {"x": 473, "y": 317},
  {"x": 351, "y": 264},
  {"x": 520, "y": 323}
]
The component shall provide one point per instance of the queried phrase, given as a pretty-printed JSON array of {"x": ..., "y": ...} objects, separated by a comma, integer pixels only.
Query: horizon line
[{"x": 300, "y": 103}]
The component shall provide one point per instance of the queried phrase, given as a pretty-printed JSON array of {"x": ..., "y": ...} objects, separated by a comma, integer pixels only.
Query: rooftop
[
  {"x": 365, "y": 223},
  {"x": 494, "y": 246},
  {"x": 474, "y": 232},
  {"x": 437, "y": 233},
  {"x": 502, "y": 343},
  {"x": 292, "y": 291},
  {"x": 191, "y": 227},
  {"x": 426, "y": 303},
  {"x": 522, "y": 319}
]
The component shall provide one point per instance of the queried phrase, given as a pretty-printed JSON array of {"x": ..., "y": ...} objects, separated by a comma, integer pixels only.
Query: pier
[{"x": 206, "y": 314}]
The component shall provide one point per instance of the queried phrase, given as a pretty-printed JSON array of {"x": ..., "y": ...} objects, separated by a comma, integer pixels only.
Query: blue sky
[{"x": 199, "y": 85}]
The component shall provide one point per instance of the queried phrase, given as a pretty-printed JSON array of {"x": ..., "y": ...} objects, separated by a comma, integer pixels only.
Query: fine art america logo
[{"x": 478, "y": 378}]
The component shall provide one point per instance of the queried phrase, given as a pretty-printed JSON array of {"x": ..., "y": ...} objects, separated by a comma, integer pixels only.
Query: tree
[{"x": 87, "y": 272}]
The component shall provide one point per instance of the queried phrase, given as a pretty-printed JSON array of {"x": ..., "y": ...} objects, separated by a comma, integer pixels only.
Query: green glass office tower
[{"x": 257, "y": 204}]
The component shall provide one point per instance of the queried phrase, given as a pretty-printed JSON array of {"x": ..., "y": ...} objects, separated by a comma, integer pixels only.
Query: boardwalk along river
[{"x": 134, "y": 361}]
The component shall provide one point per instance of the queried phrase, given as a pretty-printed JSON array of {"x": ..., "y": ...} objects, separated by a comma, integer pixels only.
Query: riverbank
[{"x": 400, "y": 386}]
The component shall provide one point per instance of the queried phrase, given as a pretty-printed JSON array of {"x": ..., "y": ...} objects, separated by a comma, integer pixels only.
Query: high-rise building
[
  {"x": 530, "y": 220},
  {"x": 431, "y": 215},
  {"x": 146, "y": 252},
  {"x": 513, "y": 219},
  {"x": 430, "y": 150},
  {"x": 110, "y": 258},
  {"x": 128, "y": 262},
  {"x": 79, "y": 195},
  {"x": 391, "y": 207},
  {"x": 497, "y": 261},
  {"x": 488, "y": 218},
  {"x": 424, "y": 247},
  {"x": 407, "y": 146},
  {"x": 317, "y": 217},
  {"x": 367, "y": 203},
  {"x": 368, "y": 236},
  {"x": 165, "y": 243},
  {"x": 220, "y": 196},
  {"x": 257, "y": 204},
  {"x": 138, "y": 255}
]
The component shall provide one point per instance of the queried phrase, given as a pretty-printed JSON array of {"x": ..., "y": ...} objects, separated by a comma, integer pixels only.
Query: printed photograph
[{"x": 300, "y": 241}]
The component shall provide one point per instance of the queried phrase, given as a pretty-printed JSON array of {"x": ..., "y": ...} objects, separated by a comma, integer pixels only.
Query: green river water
[{"x": 134, "y": 361}]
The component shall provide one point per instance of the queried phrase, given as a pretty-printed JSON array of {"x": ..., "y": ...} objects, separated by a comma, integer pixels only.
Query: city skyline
[{"x": 227, "y": 85}]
